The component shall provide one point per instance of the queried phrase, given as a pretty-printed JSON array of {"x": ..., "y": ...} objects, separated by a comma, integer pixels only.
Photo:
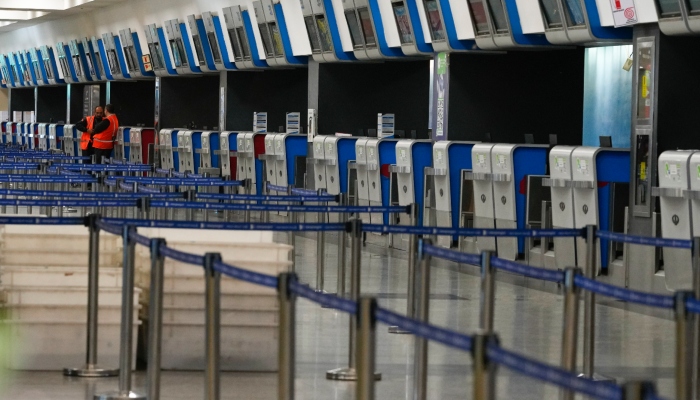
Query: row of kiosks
[
  {"x": 589, "y": 186},
  {"x": 37, "y": 136}
]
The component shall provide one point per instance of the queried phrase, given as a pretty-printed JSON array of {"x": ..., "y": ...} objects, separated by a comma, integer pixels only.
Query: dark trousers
[
  {"x": 88, "y": 153},
  {"x": 100, "y": 153}
]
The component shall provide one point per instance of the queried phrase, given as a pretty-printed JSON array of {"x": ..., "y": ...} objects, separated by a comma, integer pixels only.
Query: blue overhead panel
[
  {"x": 79, "y": 61},
  {"x": 131, "y": 46},
  {"x": 578, "y": 22},
  {"x": 50, "y": 66},
  {"x": 114, "y": 57},
  {"x": 238, "y": 36},
  {"x": 250, "y": 27},
  {"x": 161, "y": 59},
  {"x": 409, "y": 23},
  {"x": 202, "y": 50},
  {"x": 105, "y": 57},
  {"x": 181, "y": 48},
  {"x": 91, "y": 57},
  {"x": 29, "y": 74},
  {"x": 121, "y": 59},
  {"x": 446, "y": 35},
  {"x": 38, "y": 66},
  {"x": 16, "y": 70},
  {"x": 66, "y": 63},
  {"x": 497, "y": 26},
  {"x": 94, "y": 46},
  {"x": 221, "y": 50}
]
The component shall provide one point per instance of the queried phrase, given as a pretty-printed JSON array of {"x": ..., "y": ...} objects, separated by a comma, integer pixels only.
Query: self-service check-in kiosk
[
  {"x": 201, "y": 44},
  {"x": 511, "y": 165},
  {"x": 133, "y": 55},
  {"x": 37, "y": 64},
  {"x": 185, "y": 151},
  {"x": 56, "y": 136},
  {"x": 42, "y": 136},
  {"x": 161, "y": 59},
  {"x": 115, "y": 56},
  {"x": 364, "y": 33},
  {"x": 181, "y": 48},
  {"x": 579, "y": 22},
  {"x": 140, "y": 139},
  {"x": 269, "y": 33},
  {"x": 497, "y": 25},
  {"x": 50, "y": 66},
  {"x": 412, "y": 35},
  {"x": 77, "y": 54},
  {"x": 381, "y": 154},
  {"x": 209, "y": 153},
  {"x": 443, "y": 196},
  {"x": 125, "y": 142},
  {"x": 65, "y": 63},
  {"x": 362, "y": 186},
  {"x": 11, "y": 133},
  {"x": 601, "y": 188},
  {"x": 228, "y": 154},
  {"x": 93, "y": 65},
  {"x": 220, "y": 49},
  {"x": 29, "y": 75},
  {"x": 70, "y": 143},
  {"x": 250, "y": 146},
  {"x": 484, "y": 213},
  {"x": 165, "y": 147},
  {"x": 32, "y": 136},
  {"x": 677, "y": 219},
  {"x": 562, "y": 195},
  {"x": 269, "y": 159},
  {"x": 242, "y": 51},
  {"x": 331, "y": 157},
  {"x": 288, "y": 147},
  {"x": 120, "y": 144},
  {"x": 324, "y": 37}
]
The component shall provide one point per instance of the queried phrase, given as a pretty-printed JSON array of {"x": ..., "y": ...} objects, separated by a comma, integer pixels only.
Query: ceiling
[{"x": 16, "y": 14}]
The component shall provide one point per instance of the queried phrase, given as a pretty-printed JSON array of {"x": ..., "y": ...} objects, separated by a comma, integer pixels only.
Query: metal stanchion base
[
  {"x": 398, "y": 331},
  {"x": 347, "y": 374},
  {"x": 89, "y": 371},
  {"x": 599, "y": 378},
  {"x": 116, "y": 395}
]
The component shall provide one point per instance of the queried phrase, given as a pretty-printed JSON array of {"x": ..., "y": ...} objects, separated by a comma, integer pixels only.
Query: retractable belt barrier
[
  {"x": 102, "y": 195},
  {"x": 473, "y": 232}
]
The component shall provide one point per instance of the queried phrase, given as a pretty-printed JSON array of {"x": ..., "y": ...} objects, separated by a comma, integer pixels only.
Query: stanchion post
[
  {"x": 366, "y": 348},
  {"x": 213, "y": 326},
  {"x": 488, "y": 293},
  {"x": 342, "y": 249},
  {"x": 420, "y": 361},
  {"x": 265, "y": 215},
  {"x": 90, "y": 369},
  {"x": 570, "y": 331},
  {"x": 589, "y": 305},
  {"x": 155, "y": 319},
  {"x": 412, "y": 251},
  {"x": 126, "y": 335},
  {"x": 638, "y": 390},
  {"x": 684, "y": 348},
  {"x": 696, "y": 317},
  {"x": 320, "y": 252},
  {"x": 350, "y": 373},
  {"x": 287, "y": 336},
  {"x": 292, "y": 233},
  {"x": 484, "y": 370},
  {"x": 248, "y": 187}
]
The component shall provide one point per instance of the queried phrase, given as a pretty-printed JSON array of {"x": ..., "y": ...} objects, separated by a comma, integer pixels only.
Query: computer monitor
[
  {"x": 605, "y": 141},
  {"x": 529, "y": 138}
]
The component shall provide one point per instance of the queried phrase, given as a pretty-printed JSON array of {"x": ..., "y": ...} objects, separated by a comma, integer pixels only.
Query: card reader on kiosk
[
  {"x": 11, "y": 132},
  {"x": 228, "y": 154},
  {"x": 166, "y": 147},
  {"x": 484, "y": 214},
  {"x": 381, "y": 153},
  {"x": 562, "y": 194},
  {"x": 677, "y": 218},
  {"x": 595, "y": 173},
  {"x": 139, "y": 141},
  {"x": 208, "y": 153},
  {"x": 56, "y": 136},
  {"x": 511, "y": 164},
  {"x": 450, "y": 158},
  {"x": 71, "y": 145}
]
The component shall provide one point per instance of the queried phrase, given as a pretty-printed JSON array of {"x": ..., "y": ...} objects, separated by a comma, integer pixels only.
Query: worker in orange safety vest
[{"x": 87, "y": 126}]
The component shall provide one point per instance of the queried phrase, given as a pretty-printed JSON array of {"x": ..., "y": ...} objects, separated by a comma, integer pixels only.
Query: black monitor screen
[
  {"x": 367, "y": 27},
  {"x": 324, "y": 33},
  {"x": 402, "y": 22},
  {"x": 267, "y": 40},
  {"x": 198, "y": 48},
  {"x": 244, "y": 45},
  {"x": 354, "y": 25},
  {"x": 605, "y": 141},
  {"x": 436, "y": 29},
  {"x": 276, "y": 38},
  {"x": 311, "y": 31},
  {"x": 237, "y": 53},
  {"x": 479, "y": 15},
  {"x": 551, "y": 13},
  {"x": 213, "y": 45}
]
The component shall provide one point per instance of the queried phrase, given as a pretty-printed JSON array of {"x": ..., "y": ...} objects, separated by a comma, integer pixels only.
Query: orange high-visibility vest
[
  {"x": 85, "y": 138},
  {"x": 105, "y": 139}
]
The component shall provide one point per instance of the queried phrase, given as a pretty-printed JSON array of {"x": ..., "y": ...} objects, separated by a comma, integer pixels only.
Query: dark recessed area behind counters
[
  {"x": 51, "y": 103},
  {"x": 134, "y": 102},
  {"x": 77, "y": 97},
  {"x": 21, "y": 99},
  {"x": 190, "y": 99},
  {"x": 512, "y": 94},
  {"x": 275, "y": 92},
  {"x": 351, "y": 95}
]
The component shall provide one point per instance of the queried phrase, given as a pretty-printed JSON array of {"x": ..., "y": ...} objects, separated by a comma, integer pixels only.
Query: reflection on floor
[{"x": 630, "y": 344}]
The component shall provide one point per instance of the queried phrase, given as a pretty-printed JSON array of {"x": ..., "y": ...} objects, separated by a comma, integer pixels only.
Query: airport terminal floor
[{"x": 630, "y": 342}]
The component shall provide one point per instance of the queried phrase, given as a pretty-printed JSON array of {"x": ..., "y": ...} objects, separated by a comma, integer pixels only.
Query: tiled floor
[{"x": 630, "y": 343}]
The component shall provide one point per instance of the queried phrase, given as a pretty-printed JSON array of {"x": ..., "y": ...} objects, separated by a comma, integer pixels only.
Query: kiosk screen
[
  {"x": 214, "y": 47},
  {"x": 98, "y": 63},
  {"x": 354, "y": 25},
  {"x": 367, "y": 28},
  {"x": 694, "y": 7},
  {"x": 49, "y": 70},
  {"x": 574, "y": 13},
  {"x": 551, "y": 13},
  {"x": 76, "y": 66},
  {"x": 436, "y": 29},
  {"x": 90, "y": 66},
  {"x": 198, "y": 48},
  {"x": 479, "y": 15},
  {"x": 235, "y": 44},
  {"x": 498, "y": 15},
  {"x": 324, "y": 33},
  {"x": 64, "y": 67},
  {"x": 156, "y": 55},
  {"x": 276, "y": 38},
  {"x": 244, "y": 46},
  {"x": 402, "y": 22},
  {"x": 311, "y": 31},
  {"x": 669, "y": 8},
  {"x": 37, "y": 70},
  {"x": 113, "y": 62},
  {"x": 644, "y": 79},
  {"x": 267, "y": 40}
]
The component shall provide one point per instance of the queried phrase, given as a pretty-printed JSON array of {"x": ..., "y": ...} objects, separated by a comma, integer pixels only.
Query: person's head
[
  {"x": 109, "y": 109},
  {"x": 99, "y": 112}
]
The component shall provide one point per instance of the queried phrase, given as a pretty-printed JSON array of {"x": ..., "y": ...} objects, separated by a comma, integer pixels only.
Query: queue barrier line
[
  {"x": 234, "y": 226},
  {"x": 4, "y": 165},
  {"x": 66, "y": 194},
  {"x": 69, "y": 203},
  {"x": 451, "y": 255},
  {"x": 42, "y": 221},
  {"x": 44, "y": 156},
  {"x": 278, "y": 207},
  {"x": 303, "y": 192},
  {"x": 645, "y": 241},
  {"x": 111, "y": 228},
  {"x": 527, "y": 270},
  {"x": 630, "y": 296},
  {"x": 276, "y": 188},
  {"x": 18, "y": 178},
  {"x": 473, "y": 232},
  {"x": 103, "y": 168},
  {"x": 180, "y": 181},
  {"x": 177, "y": 255},
  {"x": 253, "y": 197},
  {"x": 425, "y": 330},
  {"x": 324, "y": 299}
]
